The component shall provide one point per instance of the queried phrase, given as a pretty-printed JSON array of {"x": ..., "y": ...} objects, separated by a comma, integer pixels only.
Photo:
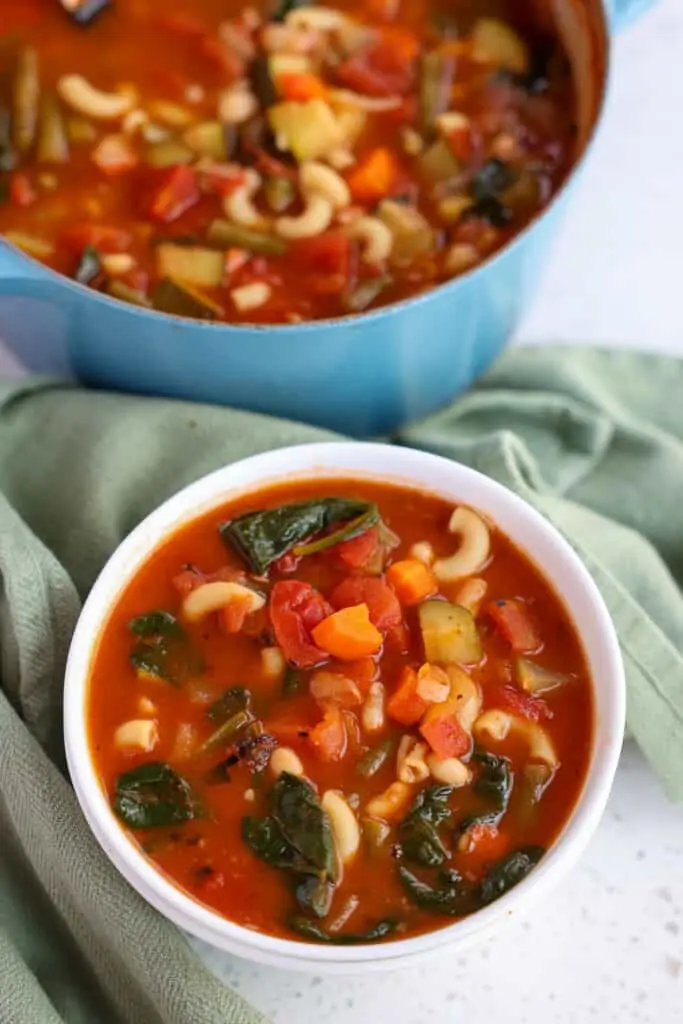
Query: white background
[{"x": 607, "y": 947}]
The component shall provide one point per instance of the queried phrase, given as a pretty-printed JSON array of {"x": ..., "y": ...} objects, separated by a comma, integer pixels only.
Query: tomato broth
[
  {"x": 361, "y": 742},
  {"x": 280, "y": 161}
]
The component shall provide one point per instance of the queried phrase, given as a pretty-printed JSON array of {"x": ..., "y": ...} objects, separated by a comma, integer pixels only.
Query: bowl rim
[{"x": 330, "y": 460}]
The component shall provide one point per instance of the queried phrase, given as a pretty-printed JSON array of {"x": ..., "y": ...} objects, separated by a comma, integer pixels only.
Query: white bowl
[{"x": 529, "y": 530}]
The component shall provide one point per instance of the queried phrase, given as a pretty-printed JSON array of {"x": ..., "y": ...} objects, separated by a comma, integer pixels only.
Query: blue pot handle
[{"x": 622, "y": 12}]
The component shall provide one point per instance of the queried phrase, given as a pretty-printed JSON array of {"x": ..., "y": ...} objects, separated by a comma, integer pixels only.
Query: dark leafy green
[
  {"x": 262, "y": 82},
  {"x": 89, "y": 266},
  {"x": 297, "y": 837},
  {"x": 310, "y": 930},
  {"x": 170, "y": 297},
  {"x": 494, "y": 786},
  {"x": 487, "y": 187},
  {"x": 293, "y": 682},
  {"x": 508, "y": 872},
  {"x": 418, "y": 832},
  {"x": 237, "y": 698},
  {"x": 154, "y": 795},
  {"x": 283, "y": 7},
  {"x": 261, "y": 537},
  {"x": 352, "y": 529},
  {"x": 455, "y": 897},
  {"x": 156, "y": 623}
]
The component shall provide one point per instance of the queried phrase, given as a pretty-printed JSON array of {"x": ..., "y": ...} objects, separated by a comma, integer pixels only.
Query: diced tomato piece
[
  {"x": 513, "y": 699},
  {"x": 405, "y": 704},
  {"x": 102, "y": 237},
  {"x": 446, "y": 736},
  {"x": 178, "y": 193},
  {"x": 358, "y": 551},
  {"x": 514, "y": 623},
  {"x": 287, "y": 563},
  {"x": 329, "y": 253},
  {"x": 328, "y": 739},
  {"x": 222, "y": 178},
  {"x": 384, "y": 607},
  {"x": 396, "y": 639},
  {"x": 21, "y": 191},
  {"x": 300, "y": 88},
  {"x": 362, "y": 671},
  {"x": 382, "y": 70},
  {"x": 460, "y": 142},
  {"x": 296, "y": 608},
  {"x": 483, "y": 845}
]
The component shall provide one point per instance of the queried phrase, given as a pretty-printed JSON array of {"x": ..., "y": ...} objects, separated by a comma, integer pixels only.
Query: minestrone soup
[
  {"x": 281, "y": 161},
  {"x": 340, "y": 711}
]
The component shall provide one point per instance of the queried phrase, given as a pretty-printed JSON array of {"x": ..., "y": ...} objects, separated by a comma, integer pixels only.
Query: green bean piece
[
  {"x": 53, "y": 142},
  {"x": 224, "y": 234},
  {"x": 371, "y": 762},
  {"x": 226, "y": 731},
  {"x": 26, "y": 97},
  {"x": 280, "y": 193}
]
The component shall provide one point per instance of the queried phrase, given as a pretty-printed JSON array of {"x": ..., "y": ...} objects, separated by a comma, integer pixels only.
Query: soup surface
[
  {"x": 281, "y": 161},
  {"x": 318, "y": 720}
]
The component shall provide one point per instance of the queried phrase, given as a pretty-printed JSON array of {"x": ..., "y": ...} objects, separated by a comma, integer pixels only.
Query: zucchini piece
[
  {"x": 262, "y": 82},
  {"x": 364, "y": 294},
  {"x": 171, "y": 297},
  {"x": 449, "y": 633},
  {"x": 437, "y": 163},
  {"x": 226, "y": 235},
  {"x": 308, "y": 130},
  {"x": 190, "y": 264},
  {"x": 168, "y": 153},
  {"x": 26, "y": 97},
  {"x": 53, "y": 141},
  {"x": 413, "y": 234},
  {"x": 119, "y": 290},
  {"x": 495, "y": 42},
  {"x": 207, "y": 139},
  {"x": 536, "y": 679}
]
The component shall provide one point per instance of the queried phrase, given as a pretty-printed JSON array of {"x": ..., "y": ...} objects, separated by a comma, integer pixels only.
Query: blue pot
[{"x": 362, "y": 375}]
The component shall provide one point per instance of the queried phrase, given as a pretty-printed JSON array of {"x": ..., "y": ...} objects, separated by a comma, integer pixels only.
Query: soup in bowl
[{"x": 343, "y": 705}]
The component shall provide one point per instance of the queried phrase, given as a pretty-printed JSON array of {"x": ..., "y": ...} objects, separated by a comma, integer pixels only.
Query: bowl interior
[{"x": 420, "y": 471}]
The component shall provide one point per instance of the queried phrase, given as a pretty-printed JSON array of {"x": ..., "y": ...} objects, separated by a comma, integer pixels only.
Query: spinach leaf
[
  {"x": 163, "y": 648},
  {"x": 455, "y": 898},
  {"x": 486, "y": 188},
  {"x": 283, "y": 8},
  {"x": 352, "y": 529},
  {"x": 508, "y": 872},
  {"x": 310, "y": 930},
  {"x": 297, "y": 837},
  {"x": 293, "y": 682},
  {"x": 153, "y": 795},
  {"x": 89, "y": 266},
  {"x": 298, "y": 811},
  {"x": 261, "y": 537},
  {"x": 237, "y": 698},
  {"x": 156, "y": 623},
  {"x": 315, "y": 894},
  {"x": 418, "y": 833},
  {"x": 494, "y": 786}
]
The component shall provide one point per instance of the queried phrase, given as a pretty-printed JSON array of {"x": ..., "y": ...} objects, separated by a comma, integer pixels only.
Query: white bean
[
  {"x": 80, "y": 95},
  {"x": 315, "y": 219},
  {"x": 273, "y": 662},
  {"x": 372, "y": 712},
  {"x": 414, "y": 766},
  {"x": 239, "y": 205},
  {"x": 475, "y": 545},
  {"x": 284, "y": 759},
  {"x": 237, "y": 104},
  {"x": 251, "y": 296},
  {"x": 375, "y": 236},
  {"x": 211, "y": 597},
  {"x": 449, "y": 770},
  {"x": 345, "y": 828}
]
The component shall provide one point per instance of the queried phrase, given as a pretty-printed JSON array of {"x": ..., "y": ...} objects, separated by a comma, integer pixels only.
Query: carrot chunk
[
  {"x": 302, "y": 87},
  {"x": 412, "y": 581},
  {"x": 374, "y": 176},
  {"x": 446, "y": 736},
  {"x": 406, "y": 705},
  {"x": 348, "y": 634}
]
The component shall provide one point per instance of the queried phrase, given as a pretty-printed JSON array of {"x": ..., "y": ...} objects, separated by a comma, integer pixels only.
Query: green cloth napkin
[{"x": 592, "y": 439}]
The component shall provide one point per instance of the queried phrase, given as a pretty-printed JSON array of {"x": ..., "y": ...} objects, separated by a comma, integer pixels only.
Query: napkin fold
[{"x": 592, "y": 439}]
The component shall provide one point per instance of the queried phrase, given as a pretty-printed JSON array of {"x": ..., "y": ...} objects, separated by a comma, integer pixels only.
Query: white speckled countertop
[{"x": 607, "y": 947}]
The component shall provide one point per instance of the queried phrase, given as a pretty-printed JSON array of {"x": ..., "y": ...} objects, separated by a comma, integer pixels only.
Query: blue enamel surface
[{"x": 361, "y": 376}]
